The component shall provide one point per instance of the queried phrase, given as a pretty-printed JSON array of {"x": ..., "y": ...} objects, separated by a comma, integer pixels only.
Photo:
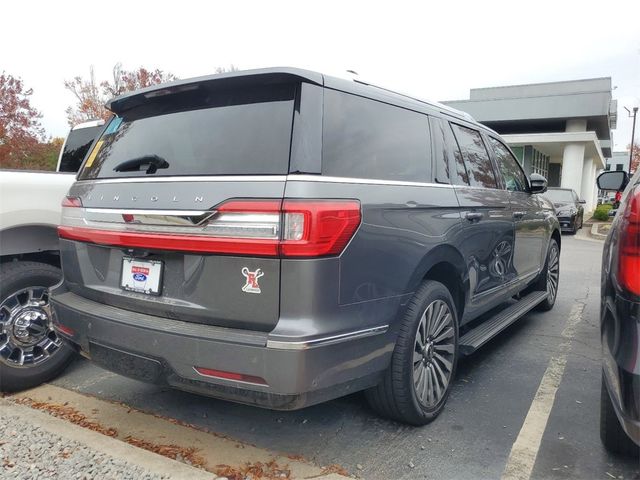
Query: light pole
[{"x": 633, "y": 131}]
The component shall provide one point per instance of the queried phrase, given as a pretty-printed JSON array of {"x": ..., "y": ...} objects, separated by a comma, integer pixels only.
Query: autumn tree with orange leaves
[
  {"x": 20, "y": 131},
  {"x": 91, "y": 95}
]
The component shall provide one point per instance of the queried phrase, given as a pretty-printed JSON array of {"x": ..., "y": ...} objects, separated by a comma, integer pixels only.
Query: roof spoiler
[{"x": 266, "y": 76}]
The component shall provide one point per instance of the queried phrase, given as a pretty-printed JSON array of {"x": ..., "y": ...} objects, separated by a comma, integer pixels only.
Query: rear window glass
[
  {"x": 198, "y": 132},
  {"x": 76, "y": 147},
  {"x": 363, "y": 138}
]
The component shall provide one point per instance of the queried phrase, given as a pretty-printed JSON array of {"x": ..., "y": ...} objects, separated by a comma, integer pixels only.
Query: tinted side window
[
  {"x": 363, "y": 138},
  {"x": 476, "y": 157},
  {"x": 76, "y": 147},
  {"x": 513, "y": 176},
  {"x": 460, "y": 175}
]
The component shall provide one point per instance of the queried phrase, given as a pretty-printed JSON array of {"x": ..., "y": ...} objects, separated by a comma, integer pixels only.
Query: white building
[
  {"x": 618, "y": 161},
  {"x": 561, "y": 130}
]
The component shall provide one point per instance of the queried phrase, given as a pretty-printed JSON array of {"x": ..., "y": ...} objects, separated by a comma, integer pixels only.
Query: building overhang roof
[
  {"x": 552, "y": 103},
  {"x": 553, "y": 144}
]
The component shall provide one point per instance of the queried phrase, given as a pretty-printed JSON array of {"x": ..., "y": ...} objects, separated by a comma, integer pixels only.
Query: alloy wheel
[
  {"x": 26, "y": 336},
  {"x": 553, "y": 273},
  {"x": 433, "y": 355}
]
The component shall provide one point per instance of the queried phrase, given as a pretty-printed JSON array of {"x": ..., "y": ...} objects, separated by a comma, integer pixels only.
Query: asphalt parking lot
[{"x": 475, "y": 436}]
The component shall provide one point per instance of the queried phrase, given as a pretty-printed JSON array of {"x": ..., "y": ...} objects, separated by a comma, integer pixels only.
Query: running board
[{"x": 475, "y": 338}]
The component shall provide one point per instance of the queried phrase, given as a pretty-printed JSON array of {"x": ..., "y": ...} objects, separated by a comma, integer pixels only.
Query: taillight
[
  {"x": 247, "y": 219},
  {"x": 629, "y": 244},
  {"x": 71, "y": 202},
  {"x": 267, "y": 228},
  {"x": 318, "y": 228}
]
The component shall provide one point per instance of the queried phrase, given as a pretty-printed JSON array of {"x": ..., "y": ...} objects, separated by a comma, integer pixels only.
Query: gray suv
[{"x": 280, "y": 238}]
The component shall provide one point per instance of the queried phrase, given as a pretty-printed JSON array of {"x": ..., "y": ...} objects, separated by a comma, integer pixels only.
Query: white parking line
[{"x": 525, "y": 449}]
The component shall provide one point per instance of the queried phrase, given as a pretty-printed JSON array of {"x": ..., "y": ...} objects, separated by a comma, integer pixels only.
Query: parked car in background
[
  {"x": 620, "y": 319},
  {"x": 30, "y": 204},
  {"x": 280, "y": 238},
  {"x": 568, "y": 206}
]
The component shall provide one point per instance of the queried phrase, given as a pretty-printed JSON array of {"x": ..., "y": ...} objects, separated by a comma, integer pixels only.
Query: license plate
[{"x": 143, "y": 276}]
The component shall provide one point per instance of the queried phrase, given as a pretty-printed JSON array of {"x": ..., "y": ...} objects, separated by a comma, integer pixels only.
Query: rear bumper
[
  {"x": 629, "y": 424},
  {"x": 620, "y": 331},
  {"x": 166, "y": 351}
]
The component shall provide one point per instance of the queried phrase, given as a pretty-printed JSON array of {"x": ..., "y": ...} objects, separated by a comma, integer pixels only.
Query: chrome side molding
[{"x": 321, "y": 342}]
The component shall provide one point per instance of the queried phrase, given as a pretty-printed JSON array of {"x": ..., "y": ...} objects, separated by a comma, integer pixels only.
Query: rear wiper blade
[{"x": 153, "y": 162}]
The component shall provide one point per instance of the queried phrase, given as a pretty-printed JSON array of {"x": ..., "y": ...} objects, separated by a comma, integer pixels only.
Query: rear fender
[
  {"x": 447, "y": 256},
  {"x": 29, "y": 239}
]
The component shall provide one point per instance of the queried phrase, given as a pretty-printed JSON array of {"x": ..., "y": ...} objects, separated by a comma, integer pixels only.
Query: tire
[
  {"x": 403, "y": 393},
  {"x": 51, "y": 355},
  {"x": 612, "y": 434},
  {"x": 551, "y": 270}
]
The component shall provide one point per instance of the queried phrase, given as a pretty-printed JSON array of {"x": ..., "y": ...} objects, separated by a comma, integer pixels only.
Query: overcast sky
[{"x": 435, "y": 50}]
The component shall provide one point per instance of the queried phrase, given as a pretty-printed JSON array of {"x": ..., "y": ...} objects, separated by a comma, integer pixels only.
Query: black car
[
  {"x": 568, "y": 206},
  {"x": 620, "y": 319}
]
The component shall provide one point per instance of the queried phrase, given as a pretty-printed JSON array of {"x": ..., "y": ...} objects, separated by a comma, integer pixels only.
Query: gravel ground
[{"x": 29, "y": 452}]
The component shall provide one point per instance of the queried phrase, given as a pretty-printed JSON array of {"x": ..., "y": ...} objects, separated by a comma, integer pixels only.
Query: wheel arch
[
  {"x": 555, "y": 235},
  {"x": 445, "y": 264},
  {"x": 30, "y": 242}
]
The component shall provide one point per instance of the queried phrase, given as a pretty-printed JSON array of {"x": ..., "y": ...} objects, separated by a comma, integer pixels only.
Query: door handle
[
  {"x": 518, "y": 215},
  {"x": 474, "y": 216}
]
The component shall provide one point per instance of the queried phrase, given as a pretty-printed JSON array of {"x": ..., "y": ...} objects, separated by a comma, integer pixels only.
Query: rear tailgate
[
  {"x": 194, "y": 286},
  {"x": 176, "y": 211}
]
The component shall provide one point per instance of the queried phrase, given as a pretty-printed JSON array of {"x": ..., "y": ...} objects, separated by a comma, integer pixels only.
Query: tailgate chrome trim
[
  {"x": 163, "y": 213},
  {"x": 331, "y": 340},
  {"x": 191, "y": 178}
]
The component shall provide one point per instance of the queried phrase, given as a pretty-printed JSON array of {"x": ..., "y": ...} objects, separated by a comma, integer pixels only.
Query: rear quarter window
[
  {"x": 76, "y": 147},
  {"x": 364, "y": 138}
]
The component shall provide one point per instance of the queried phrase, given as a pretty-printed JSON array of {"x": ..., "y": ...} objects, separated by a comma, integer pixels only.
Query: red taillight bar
[
  {"x": 629, "y": 244},
  {"x": 179, "y": 243},
  {"x": 309, "y": 228}
]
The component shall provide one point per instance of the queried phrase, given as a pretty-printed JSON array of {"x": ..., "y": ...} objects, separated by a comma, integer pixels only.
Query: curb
[
  {"x": 584, "y": 235},
  {"x": 594, "y": 232},
  {"x": 218, "y": 453},
  {"x": 149, "y": 461}
]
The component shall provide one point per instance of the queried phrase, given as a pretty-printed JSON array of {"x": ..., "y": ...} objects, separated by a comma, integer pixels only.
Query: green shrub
[{"x": 602, "y": 212}]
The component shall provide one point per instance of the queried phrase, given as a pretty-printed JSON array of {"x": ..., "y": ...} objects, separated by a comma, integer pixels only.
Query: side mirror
[
  {"x": 538, "y": 183},
  {"x": 613, "y": 180}
]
